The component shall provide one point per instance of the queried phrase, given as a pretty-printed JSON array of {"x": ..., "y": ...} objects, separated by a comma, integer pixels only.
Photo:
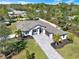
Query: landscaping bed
[{"x": 61, "y": 44}]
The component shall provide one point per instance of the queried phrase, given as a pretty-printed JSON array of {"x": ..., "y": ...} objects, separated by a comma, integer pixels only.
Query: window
[
  {"x": 35, "y": 30},
  {"x": 63, "y": 36}
]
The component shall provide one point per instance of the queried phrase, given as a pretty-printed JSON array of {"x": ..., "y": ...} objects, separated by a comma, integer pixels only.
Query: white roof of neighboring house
[
  {"x": 11, "y": 36},
  {"x": 19, "y": 12},
  {"x": 45, "y": 11},
  {"x": 37, "y": 10},
  {"x": 71, "y": 17},
  {"x": 13, "y": 11},
  {"x": 10, "y": 12}
]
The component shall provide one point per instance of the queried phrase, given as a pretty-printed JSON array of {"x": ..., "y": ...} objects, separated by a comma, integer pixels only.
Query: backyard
[{"x": 70, "y": 51}]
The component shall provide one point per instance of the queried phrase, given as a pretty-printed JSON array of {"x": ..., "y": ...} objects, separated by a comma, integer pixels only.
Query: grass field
[
  {"x": 33, "y": 47},
  {"x": 70, "y": 51}
]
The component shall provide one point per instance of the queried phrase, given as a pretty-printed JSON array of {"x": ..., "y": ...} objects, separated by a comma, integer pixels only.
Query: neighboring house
[
  {"x": 15, "y": 13},
  {"x": 4, "y": 23},
  {"x": 71, "y": 17},
  {"x": 7, "y": 21},
  {"x": 36, "y": 27},
  {"x": 37, "y": 11}
]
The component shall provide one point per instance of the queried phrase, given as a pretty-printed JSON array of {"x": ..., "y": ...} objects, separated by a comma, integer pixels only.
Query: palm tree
[
  {"x": 56, "y": 38},
  {"x": 18, "y": 33},
  {"x": 76, "y": 21},
  {"x": 30, "y": 55},
  {"x": 70, "y": 36},
  {"x": 27, "y": 54}
]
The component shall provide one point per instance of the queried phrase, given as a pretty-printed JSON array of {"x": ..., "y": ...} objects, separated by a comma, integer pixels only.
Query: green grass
[
  {"x": 13, "y": 27},
  {"x": 70, "y": 51},
  {"x": 33, "y": 47}
]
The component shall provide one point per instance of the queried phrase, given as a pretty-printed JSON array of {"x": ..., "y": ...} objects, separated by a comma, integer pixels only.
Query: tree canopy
[{"x": 4, "y": 31}]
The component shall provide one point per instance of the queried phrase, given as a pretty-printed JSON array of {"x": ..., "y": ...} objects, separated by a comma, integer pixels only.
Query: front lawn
[
  {"x": 33, "y": 47},
  {"x": 70, "y": 51}
]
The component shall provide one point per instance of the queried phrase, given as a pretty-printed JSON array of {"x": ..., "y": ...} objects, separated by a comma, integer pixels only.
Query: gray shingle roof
[{"x": 27, "y": 25}]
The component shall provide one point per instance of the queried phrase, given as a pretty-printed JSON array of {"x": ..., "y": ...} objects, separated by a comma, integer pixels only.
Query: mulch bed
[
  {"x": 27, "y": 37},
  {"x": 61, "y": 44}
]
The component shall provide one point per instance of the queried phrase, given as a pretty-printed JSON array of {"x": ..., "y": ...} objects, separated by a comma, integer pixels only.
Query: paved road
[{"x": 44, "y": 43}]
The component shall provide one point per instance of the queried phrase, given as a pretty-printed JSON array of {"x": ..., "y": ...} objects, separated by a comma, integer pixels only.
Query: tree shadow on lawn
[{"x": 61, "y": 44}]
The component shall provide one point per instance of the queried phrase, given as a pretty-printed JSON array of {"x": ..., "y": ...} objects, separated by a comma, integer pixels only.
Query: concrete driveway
[{"x": 44, "y": 42}]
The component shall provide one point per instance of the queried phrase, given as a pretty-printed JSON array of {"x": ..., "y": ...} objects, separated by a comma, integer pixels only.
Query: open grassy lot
[
  {"x": 33, "y": 47},
  {"x": 70, "y": 51}
]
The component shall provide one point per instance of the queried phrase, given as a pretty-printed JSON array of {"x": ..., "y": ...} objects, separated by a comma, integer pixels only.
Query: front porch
[{"x": 41, "y": 30}]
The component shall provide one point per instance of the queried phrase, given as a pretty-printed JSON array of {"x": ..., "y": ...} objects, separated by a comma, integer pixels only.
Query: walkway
[{"x": 44, "y": 43}]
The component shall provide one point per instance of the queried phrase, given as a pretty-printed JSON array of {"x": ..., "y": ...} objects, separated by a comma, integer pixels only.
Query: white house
[
  {"x": 45, "y": 11},
  {"x": 36, "y": 27},
  {"x": 14, "y": 13}
]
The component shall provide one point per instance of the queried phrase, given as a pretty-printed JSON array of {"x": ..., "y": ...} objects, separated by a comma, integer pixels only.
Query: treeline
[
  {"x": 57, "y": 14},
  {"x": 38, "y": 6},
  {"x": 52, "y": 10}
]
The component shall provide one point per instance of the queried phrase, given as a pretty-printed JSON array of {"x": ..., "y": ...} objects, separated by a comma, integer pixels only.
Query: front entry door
[
  {"x": 40, "y": 30},
  {"x": 35, "y": 32}
]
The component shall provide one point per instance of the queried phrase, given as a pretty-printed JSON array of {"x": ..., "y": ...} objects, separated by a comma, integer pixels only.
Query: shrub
[
  {"x": 56, "y": 37},
  {"x": 70, "y": 36}
]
